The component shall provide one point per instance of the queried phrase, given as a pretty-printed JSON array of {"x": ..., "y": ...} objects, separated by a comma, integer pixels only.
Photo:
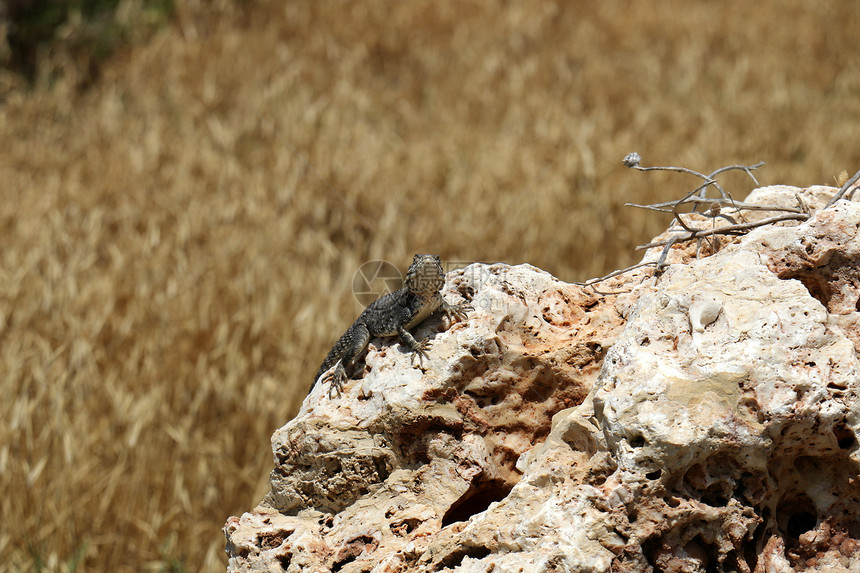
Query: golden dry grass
[{"x": 179, "y": 239}]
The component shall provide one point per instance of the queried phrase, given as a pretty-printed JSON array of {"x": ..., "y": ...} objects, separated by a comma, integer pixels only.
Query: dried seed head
[{"x": 632, "y": 160}]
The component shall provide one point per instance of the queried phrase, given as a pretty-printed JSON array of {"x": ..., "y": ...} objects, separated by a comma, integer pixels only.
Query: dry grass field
[{"x": 179, "y": 236}]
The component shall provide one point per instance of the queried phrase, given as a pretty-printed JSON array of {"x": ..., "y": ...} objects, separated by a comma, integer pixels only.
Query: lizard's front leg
[{"x": 418, "y": 349}]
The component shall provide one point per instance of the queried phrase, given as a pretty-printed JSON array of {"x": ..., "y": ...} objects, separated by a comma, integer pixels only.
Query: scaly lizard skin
[{"x": 392, "y": 314}]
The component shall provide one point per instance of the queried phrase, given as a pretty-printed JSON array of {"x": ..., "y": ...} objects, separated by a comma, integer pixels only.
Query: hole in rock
[
  {"x": 801, "y": 522},
  {"x": 845, "y": 438},
  {"x": 796, "y": 516},
  {"x": 483, "y": 400},
  {"x": 467, "y": 291},
  {"x": 817, "y": 286},
  {"x": 404, "y": 527},
  {"x": 637, "y": 441},
  {"x": 242, "y": 553},
  {"x": 476, "y": 500},
  {"x": 455, "y": 559},
  {"x": 345, "y": 561},
  {"x": 326, "y": 521},
  {"x": 750, "y": 548},
  {"x": 415, "y": 439},
  {"x": 749, "y": 488},
  {"x": 285, "y": 560},
  {"x": 654, "y": 475},
  {"x": 272, "y": 540},
  {"x": 714, "y": 496},
  {"x": 835, "y": 283},
  {"x": 665, "y": 554},
  {"x": 751, "y": 404},
  {"x": 354, "y": 548},
  {"x": 838, "y": 386},
  {"x": 704, "y": 552},
  {"x": 734, "y": 561},
  {"x": 651, "y": 549},
  {"x": 672, "y": 501}
]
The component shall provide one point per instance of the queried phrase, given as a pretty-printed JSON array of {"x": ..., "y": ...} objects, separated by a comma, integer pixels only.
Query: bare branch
[
  {"x": 590, "y": 282},
  {"x": 713, "y": 210},
  {"x": 845, "y": 188},
  {"x": 729, "y": 229},
  {"x": 740, "y": 205},
  {"x": 661, "y": 262},
  {"x": 745, "y": 168},
  {"x": 633, "y": 163},
  {"x": 674, "y": 169}
]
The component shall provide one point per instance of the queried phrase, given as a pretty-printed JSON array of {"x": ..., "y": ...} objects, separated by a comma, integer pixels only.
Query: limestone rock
[{"x": 704, "y": 420}]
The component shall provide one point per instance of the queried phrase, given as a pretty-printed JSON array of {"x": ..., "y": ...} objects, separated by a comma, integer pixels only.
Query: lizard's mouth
[
  {"x": 426, "y": 288},
  {"x": 426, "y": 296}
]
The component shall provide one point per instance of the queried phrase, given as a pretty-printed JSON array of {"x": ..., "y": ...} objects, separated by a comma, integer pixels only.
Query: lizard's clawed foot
[
  {"x": 457, "y": 311},
  {"x": 421, "y": 353},
  {"x": 337, "y": 378}
]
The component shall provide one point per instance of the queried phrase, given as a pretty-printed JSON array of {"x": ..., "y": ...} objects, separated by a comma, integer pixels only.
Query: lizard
[{"x": 393, "y": 314}]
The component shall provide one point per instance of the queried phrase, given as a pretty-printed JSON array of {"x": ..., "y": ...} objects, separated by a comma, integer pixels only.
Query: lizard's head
[{"x": 425, "y": 276}]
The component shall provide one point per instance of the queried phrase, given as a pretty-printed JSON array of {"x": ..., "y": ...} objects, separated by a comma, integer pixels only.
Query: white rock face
[{"x": 717, "y": 433}]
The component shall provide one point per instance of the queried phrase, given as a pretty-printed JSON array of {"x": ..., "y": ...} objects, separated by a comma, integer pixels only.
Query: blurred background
[{"x": 188, "y": 188}]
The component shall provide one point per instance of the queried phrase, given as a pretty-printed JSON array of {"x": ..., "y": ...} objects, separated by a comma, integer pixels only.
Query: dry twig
[
  {"x": 849, "y": 186},
  {"x": 713, "y": 209}
]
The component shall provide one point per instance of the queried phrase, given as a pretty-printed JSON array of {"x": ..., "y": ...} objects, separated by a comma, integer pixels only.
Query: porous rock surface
[{"x": 703, "y": 420}]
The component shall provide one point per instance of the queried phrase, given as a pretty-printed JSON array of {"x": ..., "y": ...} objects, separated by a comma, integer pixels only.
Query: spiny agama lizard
[{"x": 392, "y": 314}]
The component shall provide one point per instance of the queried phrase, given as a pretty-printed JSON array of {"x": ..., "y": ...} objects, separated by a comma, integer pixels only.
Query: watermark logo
[{"x": 375, "y": 279}]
